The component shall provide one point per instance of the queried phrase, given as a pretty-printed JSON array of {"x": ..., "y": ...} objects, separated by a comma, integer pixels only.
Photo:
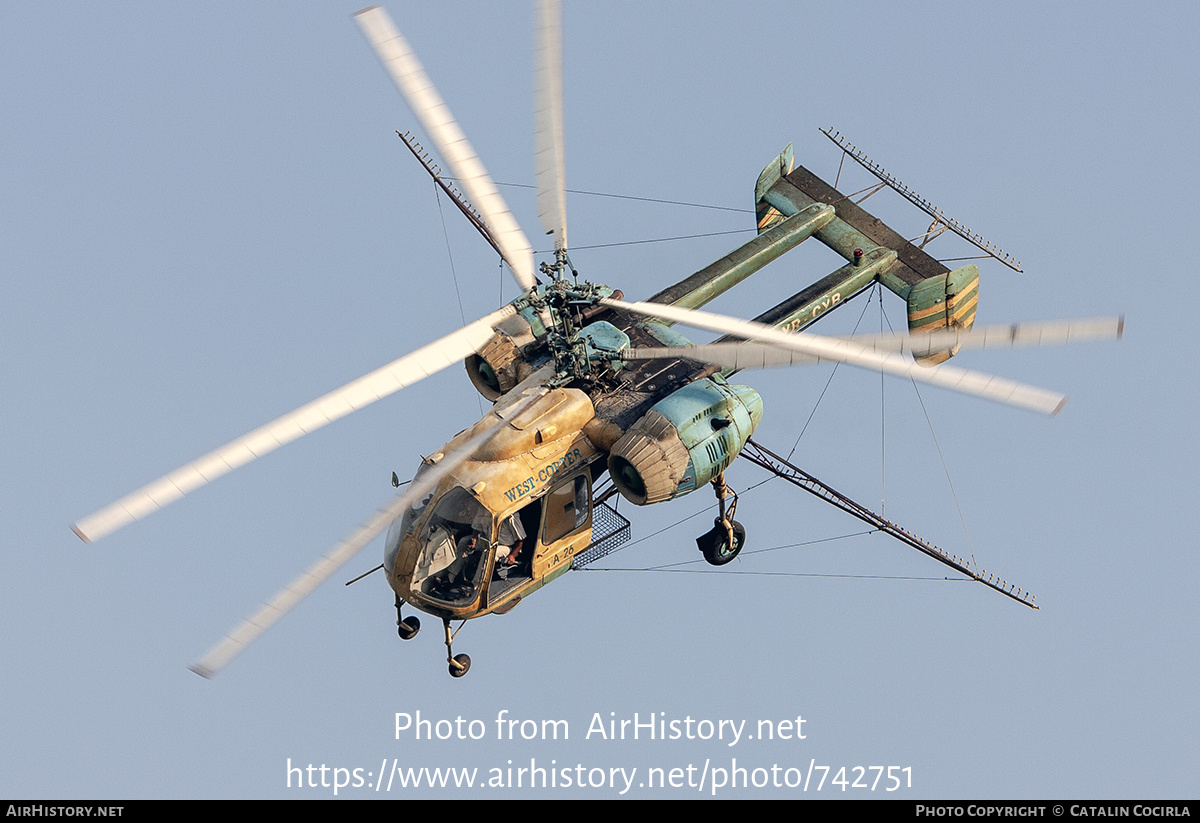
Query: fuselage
[{"x": 505, "y": 522}]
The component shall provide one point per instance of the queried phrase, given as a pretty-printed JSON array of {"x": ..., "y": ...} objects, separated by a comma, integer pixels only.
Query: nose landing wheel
[
  {"x": 406, "y": 627},
  {"x": 459, "y": 664}
]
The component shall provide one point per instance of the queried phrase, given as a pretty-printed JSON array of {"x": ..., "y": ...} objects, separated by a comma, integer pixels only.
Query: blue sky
[{"x": 209, "y": 221}]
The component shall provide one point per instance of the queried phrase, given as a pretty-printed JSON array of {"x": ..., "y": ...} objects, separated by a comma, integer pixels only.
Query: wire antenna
[
  {"x": 939, "y": 217},
  {"x": 451, "y": 190}
]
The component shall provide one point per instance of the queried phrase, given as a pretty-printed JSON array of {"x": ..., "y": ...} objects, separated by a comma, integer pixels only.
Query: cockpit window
[{"x": 454, "y": 545}]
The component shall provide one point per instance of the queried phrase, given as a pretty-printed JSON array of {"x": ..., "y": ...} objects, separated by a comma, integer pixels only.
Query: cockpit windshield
[
  {"x": 454, "y": 545},
  {"x": 403, "y": 525}
]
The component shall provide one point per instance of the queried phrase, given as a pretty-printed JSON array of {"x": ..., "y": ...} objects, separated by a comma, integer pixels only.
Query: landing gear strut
[
  {"x": 460, "y": 664},
  {"x": 727, "y": 537},
  {"x": 406, "y": 627}
]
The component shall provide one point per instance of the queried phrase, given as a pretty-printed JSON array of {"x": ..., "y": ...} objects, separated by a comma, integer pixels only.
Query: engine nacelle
[
  {"x": 519, "y": 346},
  {"x": 512, "y": 354},
  {"x": 685, "y": 440}
]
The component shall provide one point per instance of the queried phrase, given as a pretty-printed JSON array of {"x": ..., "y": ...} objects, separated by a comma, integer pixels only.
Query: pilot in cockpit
[{"x": 455, "y": 545}]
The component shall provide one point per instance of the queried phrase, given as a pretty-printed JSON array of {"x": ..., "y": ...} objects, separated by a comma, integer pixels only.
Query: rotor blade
[
  {"x": 753, "y": 355},
  {"x": 402, "y": 64},
  {"x": 551, "y": 165},
  {"x": 1014, "y": 335},
  {"x": 961, "y": 380},
  {"x": 287, "y": 598},
  {"x": 338, "y": 403},
  {"x": 737, "y": 356}
]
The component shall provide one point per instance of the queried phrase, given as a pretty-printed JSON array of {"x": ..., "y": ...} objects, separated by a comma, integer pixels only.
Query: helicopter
[{"x": 595, "y": 396}]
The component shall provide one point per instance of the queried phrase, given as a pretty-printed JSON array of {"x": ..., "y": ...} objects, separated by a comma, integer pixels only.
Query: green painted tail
[
  {"x": 943, "y": 301},
  {"x": 937, "y": 297},
  {"x": 766, "y": 214}
]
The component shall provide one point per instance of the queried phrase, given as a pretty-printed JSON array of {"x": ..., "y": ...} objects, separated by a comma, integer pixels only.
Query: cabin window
[{"x": 568, "y": 509}]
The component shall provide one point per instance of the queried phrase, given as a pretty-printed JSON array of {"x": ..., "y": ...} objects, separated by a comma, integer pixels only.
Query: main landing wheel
[
  {"x": 408, "y": 628},
  {"x": 715, "y": 544},
  {"x": 460, "y": 665}
]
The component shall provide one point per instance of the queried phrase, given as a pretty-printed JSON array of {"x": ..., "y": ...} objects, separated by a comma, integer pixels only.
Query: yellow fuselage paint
[{"x": 529, "y": 456}]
